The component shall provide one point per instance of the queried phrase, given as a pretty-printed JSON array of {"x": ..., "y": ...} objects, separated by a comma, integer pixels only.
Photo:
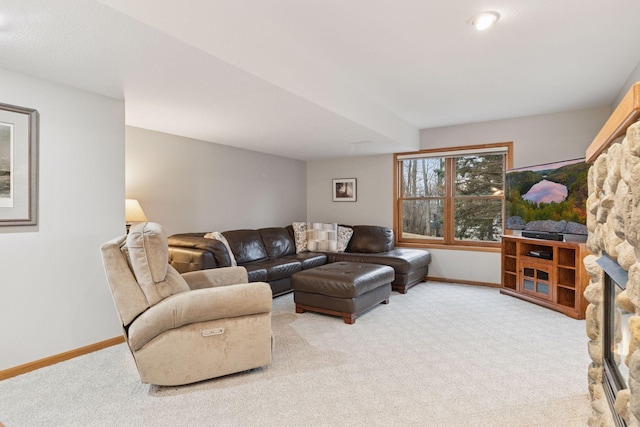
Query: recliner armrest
[
  {"x": 224, "y": 276},
  {"x": 201, "y": 305}
]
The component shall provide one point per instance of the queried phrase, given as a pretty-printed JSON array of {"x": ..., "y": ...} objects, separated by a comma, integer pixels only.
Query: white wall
[
  {"x": 53, "y": 292},
  {"x": 537, "y": 139},
  {"x": 633, "y": 78},
  {"x": 189, "y": 185},
  {"x": 374, "y": 204}
]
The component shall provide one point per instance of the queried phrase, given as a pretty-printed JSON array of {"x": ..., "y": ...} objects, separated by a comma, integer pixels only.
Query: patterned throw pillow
[
  {"x": 300, "y": 236},
  {"x": 218, "y": 236},
  {"x": 344, "y": 235},
  {"x": 322, "y": 237}
]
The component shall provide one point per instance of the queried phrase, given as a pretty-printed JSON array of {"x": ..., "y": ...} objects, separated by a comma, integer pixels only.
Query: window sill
[{"x": 493, "y": 248}]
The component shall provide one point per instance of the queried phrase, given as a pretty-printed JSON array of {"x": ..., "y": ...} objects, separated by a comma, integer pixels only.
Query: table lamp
[{"x": 133, "y": 213}]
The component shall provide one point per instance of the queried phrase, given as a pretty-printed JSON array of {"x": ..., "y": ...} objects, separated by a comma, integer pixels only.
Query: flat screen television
[{"x": 549, "y": 199}]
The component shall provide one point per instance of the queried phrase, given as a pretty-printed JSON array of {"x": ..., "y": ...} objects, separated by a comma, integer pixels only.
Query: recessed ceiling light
[{"x": 484, "y": 20}]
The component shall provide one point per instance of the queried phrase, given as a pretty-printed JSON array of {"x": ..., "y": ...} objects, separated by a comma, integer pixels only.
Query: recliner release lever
[{"x": 212, "y": 332}]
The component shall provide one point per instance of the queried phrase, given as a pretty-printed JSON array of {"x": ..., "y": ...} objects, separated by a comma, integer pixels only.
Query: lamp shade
[{"x": 133, "y": 211}]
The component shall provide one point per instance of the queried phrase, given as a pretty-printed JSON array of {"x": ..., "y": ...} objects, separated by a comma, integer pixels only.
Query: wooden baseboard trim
[
  {"x": 464, "y": 282},
  {"x": 47, "y": 361}
]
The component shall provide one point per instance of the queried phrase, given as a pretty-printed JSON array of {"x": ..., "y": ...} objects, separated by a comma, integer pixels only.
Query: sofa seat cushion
[
  {"x": 308, "y": 259},
  {"x": 279, "y": 268},
  {"x": 403, "y": 260},
  {"x": 256, "y": 272}
]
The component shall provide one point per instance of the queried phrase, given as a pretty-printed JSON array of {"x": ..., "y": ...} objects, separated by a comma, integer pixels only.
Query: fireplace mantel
[{"x": 627, "y": 112}]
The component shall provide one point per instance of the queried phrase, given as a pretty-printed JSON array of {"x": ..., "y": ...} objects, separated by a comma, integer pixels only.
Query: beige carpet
[{"x": 441, "y": 355}]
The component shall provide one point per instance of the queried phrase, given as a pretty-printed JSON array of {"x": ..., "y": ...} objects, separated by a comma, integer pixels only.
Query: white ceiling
[{"x": 307, "y": 78}]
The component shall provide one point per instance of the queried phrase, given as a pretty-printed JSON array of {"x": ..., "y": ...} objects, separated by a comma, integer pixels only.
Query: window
[{"x": 451, "y": 197}]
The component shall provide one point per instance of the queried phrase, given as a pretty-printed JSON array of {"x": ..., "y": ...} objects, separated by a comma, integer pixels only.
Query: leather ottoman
[{"x": 345, "y": 289}]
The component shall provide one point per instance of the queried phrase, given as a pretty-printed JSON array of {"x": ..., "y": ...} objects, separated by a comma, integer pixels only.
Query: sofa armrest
[
  {"x": 217, "y": 277},
  {"x": 371, "y": 239},
  {"x": 190, "y": 259},
  {"x": 196, "y": 242},
  {"x": 201, "y": 305}
]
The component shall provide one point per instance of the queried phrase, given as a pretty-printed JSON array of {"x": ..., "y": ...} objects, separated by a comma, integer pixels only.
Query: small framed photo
[
  {"x": 18, "y": 165},
  {"x": 344, "y": 190}
]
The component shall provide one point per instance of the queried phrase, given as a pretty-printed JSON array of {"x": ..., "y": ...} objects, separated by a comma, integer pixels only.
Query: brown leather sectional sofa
[{"x": 269, "y": 255}]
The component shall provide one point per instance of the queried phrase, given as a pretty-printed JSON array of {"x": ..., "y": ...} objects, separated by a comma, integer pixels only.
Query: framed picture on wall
[
  {"x": 18, "y": 165},
  {"x": 344, "y": 190}
]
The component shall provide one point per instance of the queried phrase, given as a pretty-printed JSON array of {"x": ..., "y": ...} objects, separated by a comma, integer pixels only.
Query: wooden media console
[{"x": 545, "y": 272}]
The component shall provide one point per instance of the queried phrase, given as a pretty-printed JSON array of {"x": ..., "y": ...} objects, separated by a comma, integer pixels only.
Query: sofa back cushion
[
  {"x": 371, "y": 239},
  {"x": 246, "y": 245},
  {"x": 148, "y": 254},
  {"x": 277, "y": 241}
]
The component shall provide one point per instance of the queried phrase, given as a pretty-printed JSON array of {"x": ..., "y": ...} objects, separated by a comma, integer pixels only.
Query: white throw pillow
[
  {"x": 218, "y": 236},
  {"x": 322, "y": 237}
]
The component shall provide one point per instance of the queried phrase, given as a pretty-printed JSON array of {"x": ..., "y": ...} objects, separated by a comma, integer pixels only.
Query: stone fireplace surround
[{"x": 613, "y": 221}]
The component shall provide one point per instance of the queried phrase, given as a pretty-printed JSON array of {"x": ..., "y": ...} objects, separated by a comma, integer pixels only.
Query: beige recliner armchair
[{"x": 185, "y": 328}]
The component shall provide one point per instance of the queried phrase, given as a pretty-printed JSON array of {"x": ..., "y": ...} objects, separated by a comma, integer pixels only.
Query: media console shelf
[{"x": 545, "y": 272}]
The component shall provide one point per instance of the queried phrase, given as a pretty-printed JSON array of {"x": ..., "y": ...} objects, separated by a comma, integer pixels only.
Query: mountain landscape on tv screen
[{"x": 551, "y": 197}]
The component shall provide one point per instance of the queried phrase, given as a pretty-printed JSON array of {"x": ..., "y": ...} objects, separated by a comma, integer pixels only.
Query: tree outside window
[{"x": 453, "y": 198}]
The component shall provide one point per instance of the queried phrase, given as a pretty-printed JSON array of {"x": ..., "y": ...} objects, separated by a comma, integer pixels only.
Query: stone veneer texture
[{"x": 613, "y": 220}]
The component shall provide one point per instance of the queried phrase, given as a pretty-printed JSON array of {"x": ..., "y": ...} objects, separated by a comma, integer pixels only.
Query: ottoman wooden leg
[
  {"x": 349, "y": 318},
  {"x": 300, "y": 308},
  {"x": 385, "y": 301}
]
